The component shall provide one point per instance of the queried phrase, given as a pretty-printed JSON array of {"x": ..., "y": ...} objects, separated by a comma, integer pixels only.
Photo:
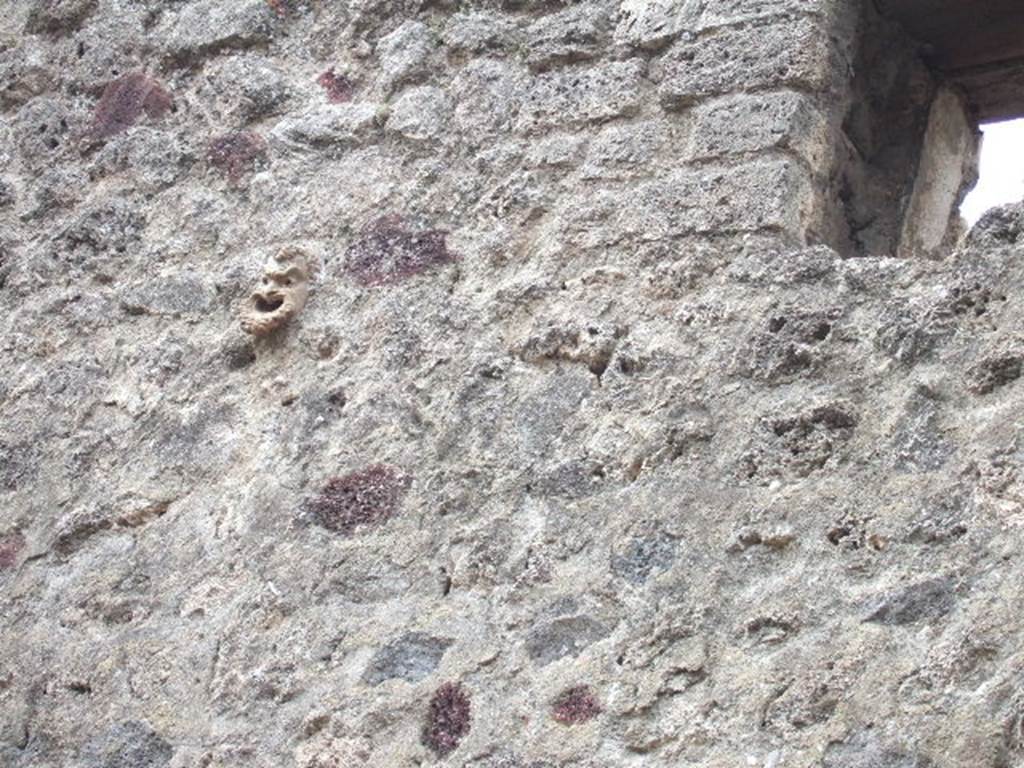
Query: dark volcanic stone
[
  {"x": 920, "y": 602},
  {"x": 411, "y": 657}
]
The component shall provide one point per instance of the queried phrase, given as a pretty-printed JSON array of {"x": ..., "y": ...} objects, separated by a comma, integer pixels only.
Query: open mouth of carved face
[{"x": 268, "y": 302}]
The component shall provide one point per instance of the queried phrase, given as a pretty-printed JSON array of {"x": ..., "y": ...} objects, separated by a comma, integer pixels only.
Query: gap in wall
[
  {"x": 1000, "y": 171},
  {"x": 906, "y": 151},
  {"x": 927, "y": 74}
]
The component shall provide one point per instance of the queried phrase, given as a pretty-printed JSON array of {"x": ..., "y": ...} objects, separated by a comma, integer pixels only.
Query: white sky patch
[{"x": 1001, "y": 178}]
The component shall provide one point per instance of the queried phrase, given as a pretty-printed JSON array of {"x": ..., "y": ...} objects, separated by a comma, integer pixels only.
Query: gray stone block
[{"x": 792, "y": 53}]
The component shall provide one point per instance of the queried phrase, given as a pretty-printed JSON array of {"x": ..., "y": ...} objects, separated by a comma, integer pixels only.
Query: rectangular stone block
[
  {"x": 626, "y": 150},
  {"x": 575, "y": 34},
  {"x": 723, "y": 12},
  {"x": 582, "y": 96},
  {"x": 784, "y": 120},
  {"x": 770, "y": 194},
  {"x": 774, "y": 195},
  {"x": 651, "y": 24},
  {"x": 784, "y": 54}
]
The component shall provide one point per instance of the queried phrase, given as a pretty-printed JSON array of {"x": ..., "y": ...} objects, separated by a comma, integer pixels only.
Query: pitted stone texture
[
  {"x": 490, "y": 94},
  {"x": 206, "y": 27},
  {"x": 44, "y": 130},
  {"x": 699, "y": 201},
  {"x": 652, "y": 24},
  {"x": 327, "y": 126},
  {"x": 867, "y": 749},
  {"x": 759, "y": 123},
  {"x": 580, "y": 96},
  {"x": 170, "y": 295},
  {"x": 724, "y": 12},
  {"x": 59, "y": 16},
  {"x": 405, "y": 54},
  {"x": 789, "y": 53},
  {"x": 421, "y": 113},
  {"x": 480, "y": 31},
  {"x": 623, "y": 151},
  {"x": 248, "y": 88},
  {"x": 25, "y": 71},
  {"x": 152, "y": 158},
  {"x": 643, "y": 558},
  {"x": 575, "y": 34}
]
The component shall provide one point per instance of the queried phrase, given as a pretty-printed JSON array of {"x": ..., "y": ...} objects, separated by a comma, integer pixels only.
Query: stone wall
[{"x": 588, "y": 449}]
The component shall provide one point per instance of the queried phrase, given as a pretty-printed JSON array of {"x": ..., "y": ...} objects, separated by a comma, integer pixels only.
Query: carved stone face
[{"x": 281, "y": 294}]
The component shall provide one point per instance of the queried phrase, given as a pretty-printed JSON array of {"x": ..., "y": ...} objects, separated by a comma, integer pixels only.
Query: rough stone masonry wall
[{"x": 583, "y": 451}]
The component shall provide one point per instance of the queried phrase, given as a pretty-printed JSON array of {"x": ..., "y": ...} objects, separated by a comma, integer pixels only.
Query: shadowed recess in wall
[{"x": 925, "y": 75}]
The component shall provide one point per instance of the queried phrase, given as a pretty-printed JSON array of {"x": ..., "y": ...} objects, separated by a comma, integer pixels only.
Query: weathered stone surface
[
  {"x": 625, "y": 151},
  {"x": 652, "y": 24},
  {"x": 247, "y": 88},
  {"x": 59, "y": 15},
  {"x": 479, "y": 31},
  {"x": 130, "y": 745},
  {"x": 26, "y": 72},
  {"x": 151, "y": 157},
  {"x": 405, "y": 54},
  {"x": 421, "y": 113},
  {"x": 412, "y": 658},
  {"x": 341, "y": 125},
  {"x": 563, "y": 637},
  {"x": 744, "y": 12},
  {"x": 575, "y": 34},
  {"x": 865, "y": 749},
  {"x": 205, "y": 27},
  {"x": 786, "y": 121},
  {"x": 918, "y": 602},
  {"x": 787, "y": 53},
  {"x": 699, "y": 201},
  {"x": 43, "y": 130},
  {"x": 592, "y": 444},
  {"x": 171, "y": 295},
  {"x": 490, "y": 94},
  {"x": 579, "y": 97},
  {"x": 643, "y": 558}
]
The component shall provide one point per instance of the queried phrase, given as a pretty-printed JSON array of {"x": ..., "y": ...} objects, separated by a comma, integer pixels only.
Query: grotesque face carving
[{"x": 281, "y": 294}]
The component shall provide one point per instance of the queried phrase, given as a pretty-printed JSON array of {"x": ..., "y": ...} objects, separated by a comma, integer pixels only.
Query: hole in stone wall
[{"x": 1000, "y": 169}]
